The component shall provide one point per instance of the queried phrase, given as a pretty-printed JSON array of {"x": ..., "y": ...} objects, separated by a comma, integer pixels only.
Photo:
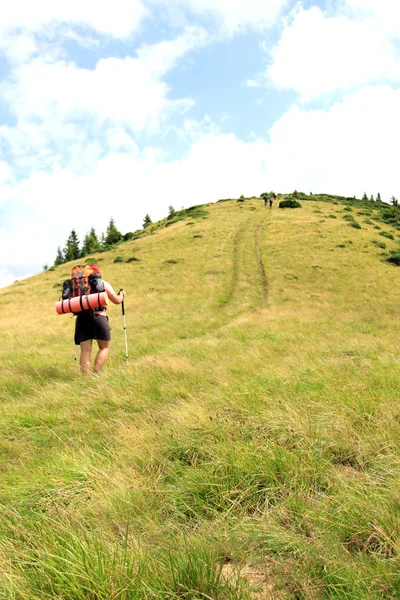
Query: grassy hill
[{"x": 251, "y": 447}]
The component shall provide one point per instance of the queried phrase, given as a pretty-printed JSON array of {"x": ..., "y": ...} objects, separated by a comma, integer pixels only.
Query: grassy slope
[{"x": 257, "y": 424}]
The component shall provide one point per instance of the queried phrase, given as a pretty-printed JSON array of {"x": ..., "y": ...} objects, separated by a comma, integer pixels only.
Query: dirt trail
[{"x": 258, "y": 234}]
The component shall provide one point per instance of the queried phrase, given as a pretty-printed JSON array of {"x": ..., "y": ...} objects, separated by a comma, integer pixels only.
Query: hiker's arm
[{"x": 117, "y": 298}]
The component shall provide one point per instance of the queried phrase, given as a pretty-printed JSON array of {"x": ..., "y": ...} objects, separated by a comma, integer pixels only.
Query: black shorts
[{"x": 92, "y": 327}]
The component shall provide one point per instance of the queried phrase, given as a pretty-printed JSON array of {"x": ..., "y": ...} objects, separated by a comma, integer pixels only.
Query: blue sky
[{"x": 118, "y": 110}]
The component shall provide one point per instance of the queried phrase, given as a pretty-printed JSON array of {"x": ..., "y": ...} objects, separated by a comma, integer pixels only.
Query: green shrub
[
  {"x": 119, "y": 259},
  {"x": 355, "y": 225},
  {"x": 394, "y": 257},
  {"x": 173, "y": 261},
  {"x": 341, "y": 246},
  {"x": 132, "y": 259},
  {"x": 379, "y": 244},
  {"x": 173, "y": 220},
  {"x": 348, "y": 209},
  {"x": 368, "y": 221},
  {"x": 133, "y": 235},
  {"x": 196, "y": 212},
  {"x": 387, "y": 235},
  {"x": 332, "y": 217},
  {"x": 391, "y": 215},
  {"x": 240, "y": 200},
  {"x": 349, "y": 218},
  {"x": 289, "y": 204},
  {"x": 51, "y": 268},
  {"x": 377, "y": 227}
]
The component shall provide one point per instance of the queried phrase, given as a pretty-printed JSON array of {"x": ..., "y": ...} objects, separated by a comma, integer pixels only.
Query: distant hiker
[
  {"x": 271, "y": 199},
  {"x": 266, "y": 201},
  {"x": 91, "y": 323},
  {"x": 270, "y": 203}
]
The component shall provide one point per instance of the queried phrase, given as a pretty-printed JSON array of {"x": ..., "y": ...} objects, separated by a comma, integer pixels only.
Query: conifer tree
[
  {"x": 59, "y": 258},
  {"x": 71, "y": 250},
  {"x": 146, "y": 221},
  {"x": 112, "y": 234},
  {"x": 378, "y": 197},
  {"x": 171, "y": 211},
  {"x": 365, "y": 197},
  {"x": 91, "y": 243}
]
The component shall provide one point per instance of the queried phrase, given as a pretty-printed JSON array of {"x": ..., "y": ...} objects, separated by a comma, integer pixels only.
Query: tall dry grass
[{"x": 257, "y": 425}]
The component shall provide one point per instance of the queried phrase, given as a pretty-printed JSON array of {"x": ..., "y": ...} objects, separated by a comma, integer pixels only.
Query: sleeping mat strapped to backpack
[{"x": 85, "y": 283}]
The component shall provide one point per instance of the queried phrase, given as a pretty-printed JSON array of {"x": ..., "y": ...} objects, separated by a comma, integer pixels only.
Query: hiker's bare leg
[
  {"x": 102, "y": 354},
  {"x": 84, "y": 360}
]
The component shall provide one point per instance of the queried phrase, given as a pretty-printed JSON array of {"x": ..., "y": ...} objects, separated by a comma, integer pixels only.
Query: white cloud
[
  {"x": 160, "y": 58},
  {"x": 128, "y": 90},
  {"x": 251, "y": 83},
  {"x": 192, "y": 130},
  {"x": 9, "y": 275},
  {"x": 5, "y": 172},
  {"x": 231, "y": 16},
  {"x": 118, "y": 19},
  {"x": 28, "y": 29},
  {"x": 386, "y": 12},
  {"x": 125, "y": 185},
  {"x": 316, "y": 54},
  {"x": 18, "y": 47},
  {"x": 77, "y": 141},
  {"x": 121, "y": 90},
  {"x": 86, "y": 41},
  {"x": 236, "y": 14},
  {"x": 349, "y": 149}
]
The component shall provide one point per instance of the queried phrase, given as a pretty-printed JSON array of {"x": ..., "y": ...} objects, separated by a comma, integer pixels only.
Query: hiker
[
  {"x": 271, "y": 199},
  {"x": 94, "y": 325},
  {"x": 265, "y": 201}
]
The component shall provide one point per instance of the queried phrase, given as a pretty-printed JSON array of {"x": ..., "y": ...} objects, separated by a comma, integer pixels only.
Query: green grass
[{"x": 251, "y": 447}]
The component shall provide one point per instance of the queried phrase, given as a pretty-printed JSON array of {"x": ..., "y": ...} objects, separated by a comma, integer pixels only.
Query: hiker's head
[{"x": 95, "y": 269}]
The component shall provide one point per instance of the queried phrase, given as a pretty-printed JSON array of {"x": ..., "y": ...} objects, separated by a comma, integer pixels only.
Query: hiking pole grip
[{"x": 123, "y": 302}]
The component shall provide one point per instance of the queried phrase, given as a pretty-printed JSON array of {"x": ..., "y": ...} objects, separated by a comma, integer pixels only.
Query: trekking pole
[
  {"x": 124, "y": 323},
  {"x": 75, "y": 358}
]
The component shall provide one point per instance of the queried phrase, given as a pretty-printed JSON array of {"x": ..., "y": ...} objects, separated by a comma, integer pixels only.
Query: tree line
[
  {"x": 91, "y": 242},
  {"x": 378, "y": 198}
]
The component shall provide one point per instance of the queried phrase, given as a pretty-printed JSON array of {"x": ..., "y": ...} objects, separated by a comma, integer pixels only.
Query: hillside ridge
[{"x": 251, "y": 447}]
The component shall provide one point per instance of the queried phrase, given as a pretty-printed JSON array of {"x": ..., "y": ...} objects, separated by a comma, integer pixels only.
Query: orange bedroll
[{"x": 79, "y": 303}]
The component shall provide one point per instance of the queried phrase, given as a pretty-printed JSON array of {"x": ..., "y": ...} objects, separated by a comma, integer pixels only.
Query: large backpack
[{"x": 83, "y": 281}]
